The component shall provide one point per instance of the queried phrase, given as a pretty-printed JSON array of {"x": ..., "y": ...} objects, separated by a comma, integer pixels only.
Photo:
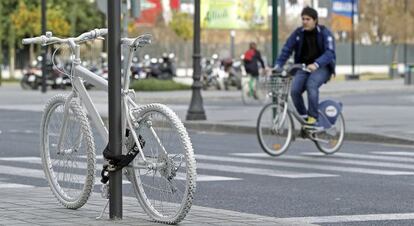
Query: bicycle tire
[
  {"x": 147, "y": 193},
  {"x": 265, "y": 134},
  {"x": 84, "y": 142},
  {"x": 337, "y": 143}
]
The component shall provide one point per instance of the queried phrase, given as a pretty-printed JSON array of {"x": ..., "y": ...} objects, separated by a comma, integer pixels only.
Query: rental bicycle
[
  {"x": 158, "y": 157},
  {"x": 275, "y": 124}
]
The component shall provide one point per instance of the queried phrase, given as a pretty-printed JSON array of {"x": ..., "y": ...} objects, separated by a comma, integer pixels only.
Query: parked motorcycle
[
  {"x": 232, "y": 72},
  {"x": 32, "y": 78},
  {"x": 210, "y": 75},
  {"x": 137, "y": 70},
  {"x": 162, "y": 68}
]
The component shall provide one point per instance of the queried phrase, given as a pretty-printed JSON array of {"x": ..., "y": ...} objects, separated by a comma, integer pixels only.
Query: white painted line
[
  {"x": 282, "y": 162},
  {"x": 82, "y": 165},
  {"x": 11, "y": 185},
  {"x": 328, "y": 159},
  {"x": 397, "y": 153},
  {"x": 366, "y": 156},
  {"x": 263, "y": 172},
  {"x": 352, "y": 218}
]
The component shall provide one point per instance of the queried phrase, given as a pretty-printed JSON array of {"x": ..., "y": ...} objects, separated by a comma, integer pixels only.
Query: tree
[
  {"x": 182, "y": 25},
  {"x": 21, "y": 18},
  {"x": 26, "y": 22}
]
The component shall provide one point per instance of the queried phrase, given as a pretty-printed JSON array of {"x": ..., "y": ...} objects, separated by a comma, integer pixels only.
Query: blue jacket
[{"x": 325, "y": 41}]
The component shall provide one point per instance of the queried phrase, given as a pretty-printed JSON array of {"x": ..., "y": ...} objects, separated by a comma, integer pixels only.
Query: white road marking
[
  {"x": 397, "y": 153},
  {"x": 82, "y": 165},
  {"x": 280, "y": 162},
  {"x": 367, "y": 156},
  {"x": 329, "y": 159},
  {"x": 352, "y": 218}
]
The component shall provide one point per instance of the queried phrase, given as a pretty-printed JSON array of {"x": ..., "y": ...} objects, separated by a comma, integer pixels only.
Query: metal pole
[
  {"x": 44, "y": 53},
  {"x": 275, "y": 30},
  {"x": 353, "y": 40},
  {"x": 405, "y": 39},
  {"x": 232, "y": 35},
  {"x": 1, "y": 42},
  {"x": 196, "y": 110},
  {"x": 114, "y": 99}
]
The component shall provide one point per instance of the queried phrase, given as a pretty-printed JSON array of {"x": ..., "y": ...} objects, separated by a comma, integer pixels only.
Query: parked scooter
[
  {"x": 210, "y": 75},
  {"x": 137, "y": 70},
  {"x": 166, "y": 66},
  {"x": 32, "y": 78},
  {"x": 162, "y": 68},
  {"x": 232, "y": 71}
]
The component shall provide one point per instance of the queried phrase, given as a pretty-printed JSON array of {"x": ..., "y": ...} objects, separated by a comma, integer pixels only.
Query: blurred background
[{"x": 383, "y": 31}]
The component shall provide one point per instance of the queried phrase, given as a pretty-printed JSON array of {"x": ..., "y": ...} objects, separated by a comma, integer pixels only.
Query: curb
[{"x": 350, "y": 136}]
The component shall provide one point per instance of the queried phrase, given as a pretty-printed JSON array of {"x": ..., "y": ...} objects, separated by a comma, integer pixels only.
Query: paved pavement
[{"x": 37, "y": 206}]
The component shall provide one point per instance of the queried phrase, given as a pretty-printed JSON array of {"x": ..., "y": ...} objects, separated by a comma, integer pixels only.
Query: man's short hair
[{"x": 311, "y": 12}]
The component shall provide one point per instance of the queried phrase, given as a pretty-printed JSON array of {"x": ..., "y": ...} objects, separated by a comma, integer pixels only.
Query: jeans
[{"x": 311, "y": 83}]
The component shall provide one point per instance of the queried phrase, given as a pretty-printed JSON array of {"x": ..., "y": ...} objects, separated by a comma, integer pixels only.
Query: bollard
[{"x": 409, "y": 75}]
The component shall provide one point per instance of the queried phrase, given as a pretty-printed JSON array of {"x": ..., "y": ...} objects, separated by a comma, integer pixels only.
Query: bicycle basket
[{"x": 277, "y": 85}]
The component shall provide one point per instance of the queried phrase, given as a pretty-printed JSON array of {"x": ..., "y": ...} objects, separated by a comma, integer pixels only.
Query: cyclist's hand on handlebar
[
  {"x": 267, "y": 71},
  {"x": 312, "y": 67},
  {"x": 277, "y": 69}
]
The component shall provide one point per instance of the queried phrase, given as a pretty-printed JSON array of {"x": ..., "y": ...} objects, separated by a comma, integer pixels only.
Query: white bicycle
[{"x": 158, "y": 154}]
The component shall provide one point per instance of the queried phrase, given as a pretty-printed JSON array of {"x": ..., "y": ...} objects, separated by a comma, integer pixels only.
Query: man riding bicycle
[{"x": 314, "y": 46}]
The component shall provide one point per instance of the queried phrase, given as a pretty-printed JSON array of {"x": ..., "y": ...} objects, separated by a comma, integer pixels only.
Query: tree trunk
[
  {"x": 31, "y": 54},
  {"x": 12, "y": 52},
  {"x": 395, "y": 53}
]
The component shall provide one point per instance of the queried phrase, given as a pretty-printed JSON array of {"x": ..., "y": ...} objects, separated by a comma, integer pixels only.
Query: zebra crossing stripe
[
  {"x": 397, "y": 153},
  {"x": 333, "y": 159},
  {"x": 257, "y": 171},
  {"x": 366, "y": 156},
  {"x": 12, "y": 185},
  {"x": 82, "y": 165},
  {"x": 283, "y": 163}
]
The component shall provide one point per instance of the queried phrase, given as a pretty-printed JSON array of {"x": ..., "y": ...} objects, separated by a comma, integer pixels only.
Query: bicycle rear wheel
[
  {"x": 274, "y": 131},
  {"x": 166, "y": 191},
  {"x": 69, "y": 170},
  {"x": 331, "y": 140}
]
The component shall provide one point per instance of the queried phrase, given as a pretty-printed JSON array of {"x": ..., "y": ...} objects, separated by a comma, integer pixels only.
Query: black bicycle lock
[{"x": 117, "y": 162}]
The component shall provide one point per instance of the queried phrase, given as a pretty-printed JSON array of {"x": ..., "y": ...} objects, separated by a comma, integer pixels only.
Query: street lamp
[
  {"x": 275, "y": 35},
  {"x": 196, "y": 110},
  {"x": 44, "y": 70},
  {"x": 232, "y": 35}
]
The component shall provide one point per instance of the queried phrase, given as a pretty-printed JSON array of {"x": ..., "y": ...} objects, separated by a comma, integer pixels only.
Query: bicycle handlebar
[
  {"x": 48, "y": 39},
  {"x": 290, "y": 70}
]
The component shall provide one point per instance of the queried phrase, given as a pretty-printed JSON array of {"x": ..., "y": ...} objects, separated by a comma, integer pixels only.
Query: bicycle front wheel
[
  {"x": 330, "y": 140},
  {"x": 165, "y": 191},
  {"x": 274, "y": 131},
  {"x": 69, "y": 167}
]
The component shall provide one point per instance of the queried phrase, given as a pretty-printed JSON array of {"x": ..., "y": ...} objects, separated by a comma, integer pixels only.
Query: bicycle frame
[
  {"x": 80, "y": 73},
  {"x": 288, "y": 108}
]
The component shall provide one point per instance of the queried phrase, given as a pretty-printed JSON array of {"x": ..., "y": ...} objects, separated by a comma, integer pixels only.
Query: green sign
[{"x": 234, "y": 14}]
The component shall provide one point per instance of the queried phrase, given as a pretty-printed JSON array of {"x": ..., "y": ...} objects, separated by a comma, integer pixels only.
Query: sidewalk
[
  {"x": 37, "y": 206},
  {"x": 374, "y": 121}
]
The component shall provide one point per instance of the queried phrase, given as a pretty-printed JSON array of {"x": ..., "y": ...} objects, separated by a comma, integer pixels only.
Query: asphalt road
[{"x": 372, "y": 180}]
